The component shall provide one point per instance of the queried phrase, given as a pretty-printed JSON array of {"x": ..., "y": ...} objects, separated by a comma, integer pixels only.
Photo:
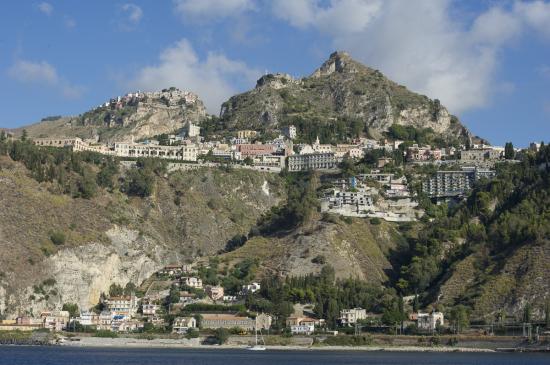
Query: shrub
[
  {"x": 192, "y": 333},
  {"x": 105, "y": 334},
  {"x": 375, "y": 221},
  {"x": 319, "y": 259},
  {"x": 57, "y": 238}
]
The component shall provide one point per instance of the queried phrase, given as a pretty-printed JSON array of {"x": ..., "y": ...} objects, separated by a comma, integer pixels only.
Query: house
[
  {"x": 349, "y": 317},
  {"x": 171, "y": 270},
  {"x": 183, "y": 324},
  {"x": 186, "y": 297},
  {"x": 289, "y": 131},
  {"x": 383, "y": 161},
  {"x": 150, "y": 309},
  {"x": 87, "y": 319},
  {"x": 251, "y": 288},
  {"x": 246, "y": 134},
  {"x": 217, "y": 320},
  {"x": 214, "y": 292},
  {"x": 430, "y": 321},
  {"x": 123, "y": 305},
  {"x": 417, "y": 153},
  {"x": 55, "y": 321},
  {"x": 192, "y": 282},
  {"x": 303, "y": 325}
]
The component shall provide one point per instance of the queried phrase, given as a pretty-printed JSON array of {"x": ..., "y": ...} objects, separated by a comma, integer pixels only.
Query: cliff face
[
  {"x": 341, "y": 87},
  {"x": 113, "y": 238},
  {"x": 137, "y": 118}
]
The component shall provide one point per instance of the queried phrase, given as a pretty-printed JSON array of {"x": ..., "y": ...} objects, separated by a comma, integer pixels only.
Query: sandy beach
[{"x": 195, "y": 344}]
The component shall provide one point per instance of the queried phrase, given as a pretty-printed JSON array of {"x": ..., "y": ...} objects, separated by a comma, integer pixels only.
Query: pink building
[{"x": 256, "y": 149}]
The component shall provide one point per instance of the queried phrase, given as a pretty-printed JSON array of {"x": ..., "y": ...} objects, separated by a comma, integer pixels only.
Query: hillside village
[{"x": 381, "y": 192}]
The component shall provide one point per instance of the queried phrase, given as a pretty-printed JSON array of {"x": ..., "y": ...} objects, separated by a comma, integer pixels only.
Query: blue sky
[{"x": 488, "y": 61}]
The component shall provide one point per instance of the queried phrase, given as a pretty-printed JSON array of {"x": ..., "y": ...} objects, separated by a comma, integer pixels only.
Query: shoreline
[{"x": 128, "y": 343}]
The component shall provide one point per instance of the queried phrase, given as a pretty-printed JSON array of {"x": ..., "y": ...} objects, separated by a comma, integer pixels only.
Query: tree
[
  {"x": 115, "y": 290},
  {"x": 459, "y": 318},
  {"x": 509, "y": 152},
  {"x": 139, "y": 183},
  {"x": 527, "y": 313},
  {"x": 72, "y": 308},
  {"x": 222, "y": 335},
  {"x": 547, "y": 313},
  {"x": 24, "y": 135}
]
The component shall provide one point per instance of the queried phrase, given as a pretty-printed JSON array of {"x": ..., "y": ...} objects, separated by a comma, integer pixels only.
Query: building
[
  {"x": 454, "y": 183},
  {"x": 124, "y": 305},
  {"x": 430, "y": 321},
  {"x": 301, "y": 325},
  {"x": 187, "y": 152},
  {"x": 251, "y": 288},
  {"x": 192, "y": 282},
  {"x": 246, "y": 134},
  {"x": 417, "y": 153},
  {"x": 342, "y": 202},
  {"x": 210, "y": 320},
  {"x": 314, "y": 161},
  {"x": 182, "y": 324},
  {"x": 289, "y": 131},
  {"x": 191, "y": 130},
  {"x": 255, "y": 149},
  {"x": 215, "y": 292},
  {"x": 481, "y": 154},
  {"x": 150, "y": 309},
  {"x": 87, "y": 319},
  {"x": 171, "y": 270},
  {"x": 55, "y": 321},
  {"x": 349, "y": 317}
]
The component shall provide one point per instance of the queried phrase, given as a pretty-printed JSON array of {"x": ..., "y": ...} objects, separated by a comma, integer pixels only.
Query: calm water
[{"x": 18, "y": 355}]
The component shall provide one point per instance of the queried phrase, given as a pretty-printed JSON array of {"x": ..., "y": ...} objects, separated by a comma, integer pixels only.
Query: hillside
[
  {"x": 492, "y": 252},
  {"x": 342, "y": 98},
  {"x": 62, "y": 247},
  {"x": 138, "y": 117}
]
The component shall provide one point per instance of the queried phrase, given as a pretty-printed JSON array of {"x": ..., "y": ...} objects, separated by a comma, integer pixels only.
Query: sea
[{"x": 55, "y": 355}]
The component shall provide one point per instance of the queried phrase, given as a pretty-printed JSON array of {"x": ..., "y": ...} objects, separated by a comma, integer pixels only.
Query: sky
[{"x": 488, "y": 61}]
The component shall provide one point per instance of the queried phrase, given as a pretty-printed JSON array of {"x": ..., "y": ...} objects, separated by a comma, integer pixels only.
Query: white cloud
[
  {"x": 420, "y": 43},
  {"x": 213, "y": 79},
  {"x": 536, "y": 14},
  {"x": 338, "y": 16},
  {"x": 70, "y": 22},
  {"x": 43, "y": 74},
  {"x": 199, "y": 10},
  {"x": 133, "y": 12},
  {"x": 45, "y": 8}
]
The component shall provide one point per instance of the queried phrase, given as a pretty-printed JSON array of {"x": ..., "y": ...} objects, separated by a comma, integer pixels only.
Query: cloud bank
[
  {"x": 213, "y": 79},
  {"x": 420, "y": 43}
]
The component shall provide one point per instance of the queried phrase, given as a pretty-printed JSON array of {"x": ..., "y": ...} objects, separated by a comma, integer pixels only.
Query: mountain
[
  {"x": 342, "y": 89},
  {"x": 136, "y": 115}
]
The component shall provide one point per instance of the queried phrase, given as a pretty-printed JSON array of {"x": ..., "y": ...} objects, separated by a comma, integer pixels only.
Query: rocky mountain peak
[{"x": 338, "y": 61}]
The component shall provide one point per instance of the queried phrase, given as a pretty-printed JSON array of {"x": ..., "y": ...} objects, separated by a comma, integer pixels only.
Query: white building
[
  {"x": 305, "y": 328},
  {"x": 192, "y": 282},
  {"x": 183, "y": 324},
  {"x": 150, "y": 309},
  {"x": 251, "y": 288},
  {"x": 125, "y": 305},
  {"x": 430, "y": 321},
  {"x": 349, "y": 317},
  {"x": 289, "y": 131}
]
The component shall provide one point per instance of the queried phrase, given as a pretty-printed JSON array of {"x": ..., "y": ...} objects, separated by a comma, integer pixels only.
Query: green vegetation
[
  {"x": 301, "y": 203},
  {"x": 57, "y": 238},
  {"x": 72, "y": 308}
]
